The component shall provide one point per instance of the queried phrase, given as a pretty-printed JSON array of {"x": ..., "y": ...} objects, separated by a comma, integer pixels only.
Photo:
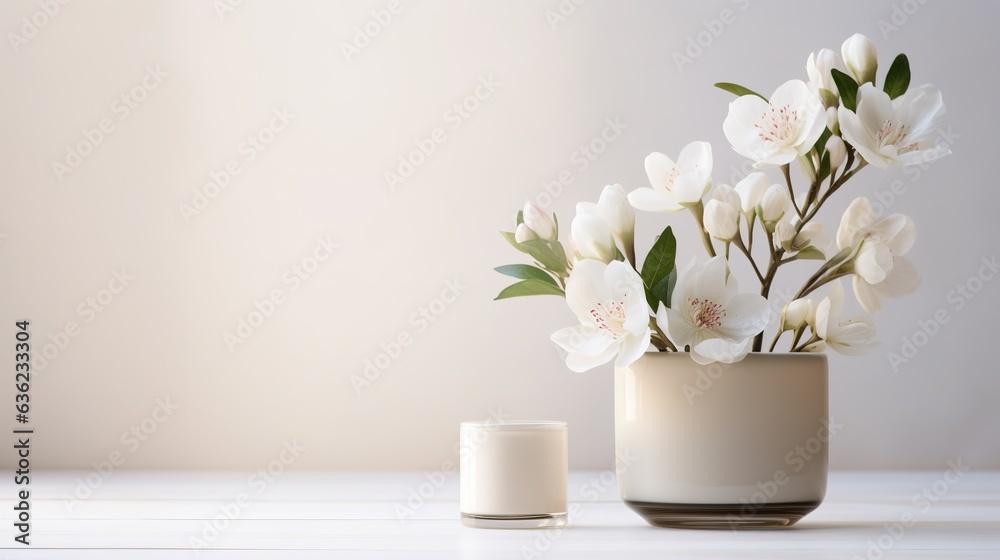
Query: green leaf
[
  {"x": 560, "y": 252},
  {"x": 848, "y": 89},
  {"x": 658, "y": 265},
  {"x": 509, "y": 236},
  {"x": 555, "y": 221},
  {"x": 664, "y": 289},
  {"x": 542, "y": 251},
  {"x": 824, "y": 167},
  {"x": 738, "y": 90},
  {"x": 897, "y": 80},
  {"x": 810, "y": 253},
  {"x": 529, "y": 288},
  {"x": 526, "y": 272},
  {"x": 520, "y": 217}
]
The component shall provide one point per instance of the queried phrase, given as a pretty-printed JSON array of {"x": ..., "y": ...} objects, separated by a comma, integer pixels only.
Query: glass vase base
[
  {"x": 514, "y": 521},
  {"x": 722, "y": 516}
]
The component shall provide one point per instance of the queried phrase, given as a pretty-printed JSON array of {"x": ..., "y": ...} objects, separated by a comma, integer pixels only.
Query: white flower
[
  {"x": 722, "y": 214},
  {"x": 880, "y": 268},
  {"x": 818, "y": 68},
  {"x": 610, "y": 302},
  {"x": 776, "y": 132},
  {"x": 902, "y": 130},
  {"x": 852, "y": 337},
  {"x": 613, "y": 207},
  {"x": 751, "y": 189},
  {"x": 860, "y": 57},
  {"x": 773, "y": 204},
  {"x": 593, "y": 238},
  {"x": 675, "y": 186},
  {"x": 838, "y": 151},
  {"x": 538, "y": 221},
  {"x": 708, "y": 314},
  {"x": 811, "y": 235}
]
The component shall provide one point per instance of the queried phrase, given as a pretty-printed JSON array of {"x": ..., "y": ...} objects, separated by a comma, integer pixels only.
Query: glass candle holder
[{"x": 513, "y": 474}]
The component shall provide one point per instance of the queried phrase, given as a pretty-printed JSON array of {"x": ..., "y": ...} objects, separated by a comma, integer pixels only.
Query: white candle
[{"x": 513, "y": 474}]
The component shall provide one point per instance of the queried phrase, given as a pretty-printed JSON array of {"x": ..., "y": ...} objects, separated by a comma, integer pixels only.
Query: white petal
[
  {"x": 689, "y": 188},
  {"x": 660, "y": 169},
  {"x": 899, "y": 233},
  {"x": 632, "y": 348},
  {"x": 676, "y": 325},
  {"x": 874, "y": 261},
  {"x": 593, "y": 238},
  {"x": 739, "y": 128},
  {"x": 585, "y": 288},
  {"x": 855, "y": 222},
  {"x": 725, "y": 193},
  {"x": 713, "y": 281},
  {"x": 903, "y": 281},
  {"x": 651, "y": 200},
  {"x": 697, "y": 157},
  {"x": 922, "y": 109},
  {"x": 751, "y": 189},
  {"x": 586, "y": 341},
  {"x": 867, "y": 297},
  {"x": 823, "y": 318},
  {"x": 776, "y": 158},
  {"x": 614, "y": 208},
  {"x": 854, "y": 337},
  {"x": 716, "y": 350},
  {"x": 746, "y": 315},
  {"x": 625, "y": 286},
  {"x": 580, "y": 363}
]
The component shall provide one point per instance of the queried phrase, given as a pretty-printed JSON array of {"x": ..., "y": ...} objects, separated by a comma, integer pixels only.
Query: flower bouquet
[{"x": 838, "y": 123}]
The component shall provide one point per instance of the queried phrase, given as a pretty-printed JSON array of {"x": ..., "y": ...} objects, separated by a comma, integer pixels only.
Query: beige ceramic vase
[{"x": 739, "y": 445}]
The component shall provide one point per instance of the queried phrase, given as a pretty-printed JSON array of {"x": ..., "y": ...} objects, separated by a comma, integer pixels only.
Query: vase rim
[
  {"x": 514, "y": 425},
  {"x": 750, "y": 356}
]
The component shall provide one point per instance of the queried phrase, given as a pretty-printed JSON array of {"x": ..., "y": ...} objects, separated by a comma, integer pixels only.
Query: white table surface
[{"x": 306, "y": 515}]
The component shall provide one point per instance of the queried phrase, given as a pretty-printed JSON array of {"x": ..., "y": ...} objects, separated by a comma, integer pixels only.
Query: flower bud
[
  {"x": 838, "y": 151},
  {"x": 795, "y": 315},
  {"x": 721, "y": 220},
  {"x": 772, "y": 205},
  {"x": 524, "y": 233},
  {"x": 831, "y": 121},
  {"x": 539, "y": 222},
  {"x": 860, "y": 57}
]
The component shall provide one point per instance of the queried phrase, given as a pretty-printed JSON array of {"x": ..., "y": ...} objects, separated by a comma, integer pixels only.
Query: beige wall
[{"x": 308, "y": 219}]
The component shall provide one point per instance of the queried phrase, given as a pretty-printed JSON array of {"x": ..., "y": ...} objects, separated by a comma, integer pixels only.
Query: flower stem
[
  {"x": 825, "y": 280},
  {"x": 661, "y": 337},
  {"x": 743, "y": 249},
  {"x": 802, "y": 346},
  {"x": 775, "y": 341},
  {"x": 775, "y": 262},
  {"x": 786, "y": 171},
  {"x": 765, "y": 285},
  {"x": 698, "y": 210},
  {"x": 798, "y": 336}
]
